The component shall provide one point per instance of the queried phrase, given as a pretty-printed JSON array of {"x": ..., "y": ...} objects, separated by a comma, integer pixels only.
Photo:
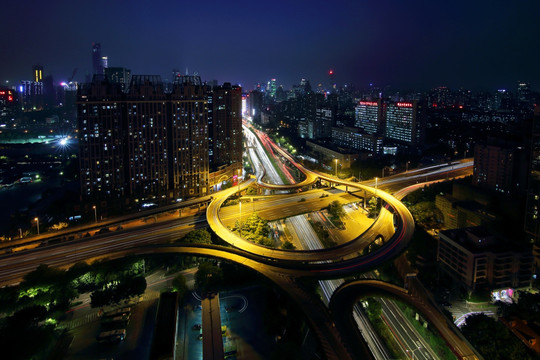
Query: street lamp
[
  {"x": 407, "y": 166},
  {"x": 37, "y": 222},
  {"x": 95, "y": 212},
  {"x": 376, "y": 186},
  {"x": 336, "y": 160}
]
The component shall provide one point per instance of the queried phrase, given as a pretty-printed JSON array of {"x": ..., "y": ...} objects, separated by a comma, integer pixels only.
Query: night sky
[{"x": 475, "y": 44}]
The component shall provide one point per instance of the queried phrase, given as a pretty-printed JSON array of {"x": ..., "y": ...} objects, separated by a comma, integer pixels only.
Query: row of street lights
[{"x": 36, "y": 219}]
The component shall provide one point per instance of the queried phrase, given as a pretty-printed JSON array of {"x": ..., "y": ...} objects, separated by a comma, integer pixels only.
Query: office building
[
  {"x": 8, "y": 103},
  {"x": 404, "y": 123},
  {"x": 322, "y": 124},
  {"x": 353, "y": 138},
  {"x": 31, "y": 95},
  {"x": 369, "y": 116},
  {"x": 97, "y": 61},
  {"x": 498, "y": 168},
  {"x": 477, "y": 258}
]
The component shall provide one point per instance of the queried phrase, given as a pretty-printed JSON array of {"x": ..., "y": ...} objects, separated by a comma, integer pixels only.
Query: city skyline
[{"x": 481, "y": 45}]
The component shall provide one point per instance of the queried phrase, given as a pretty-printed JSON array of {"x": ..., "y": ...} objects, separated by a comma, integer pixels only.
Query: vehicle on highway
[
  {"x": 112, "y": 336},
  {"x": 124, "y": 311}
]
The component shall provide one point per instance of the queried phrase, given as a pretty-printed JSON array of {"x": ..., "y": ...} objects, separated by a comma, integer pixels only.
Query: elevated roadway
[{"x": 346, "y": 296}]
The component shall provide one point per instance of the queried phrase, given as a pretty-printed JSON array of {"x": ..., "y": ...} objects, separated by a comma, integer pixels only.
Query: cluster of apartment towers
[{"x": 156, "y": 143}]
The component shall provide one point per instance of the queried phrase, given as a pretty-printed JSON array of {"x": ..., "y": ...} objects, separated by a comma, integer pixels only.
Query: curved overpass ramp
[
  {"x": 348, "y": 294},
  {"x": 327, "y": 262}
]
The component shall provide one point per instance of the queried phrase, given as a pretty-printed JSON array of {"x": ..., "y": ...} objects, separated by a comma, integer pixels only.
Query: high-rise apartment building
[
  {"x": 148, "y": 145},
  {"x": 119, "y": 75},
  {"x": 102, "y": 142},
  {"x": 404, "y": 123},
  {"x": 189, "y": 155},
  {"x": 226, "y": 126},
  {"x": 147, "y": 139}
]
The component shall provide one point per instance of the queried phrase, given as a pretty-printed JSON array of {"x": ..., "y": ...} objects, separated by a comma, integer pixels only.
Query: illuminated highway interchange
[{"x": 336, "y": 330}]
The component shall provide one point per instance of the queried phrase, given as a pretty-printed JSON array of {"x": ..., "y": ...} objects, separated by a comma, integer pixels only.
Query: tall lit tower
[
  {"x": 37, "y": 73},
  {"x": 332, "y": 85},
  {"x": 97, "y": 62}
]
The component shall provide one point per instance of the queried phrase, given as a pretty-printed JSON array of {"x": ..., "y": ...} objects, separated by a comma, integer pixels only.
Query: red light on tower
[{"x": 331, "y": 72}]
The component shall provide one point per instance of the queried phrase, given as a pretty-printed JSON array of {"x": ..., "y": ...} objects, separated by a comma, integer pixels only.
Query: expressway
[
  {"x": 347, "y": 295},
  {"x": 280, "y": 266}
]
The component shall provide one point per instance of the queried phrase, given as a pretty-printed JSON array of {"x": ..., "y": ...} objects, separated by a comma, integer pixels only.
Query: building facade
[
  {"x": 226, "y": 125},
  {"x": 404, "y": 123},
  {"x": 532, "y": 215},
  {"x": 370, "y": 116},
  {"x": 477, "y": 258},
  {"x": 497, "y": 168},
  {"x": 354, "y": 139},
  {"x": 147, "y": 145}
]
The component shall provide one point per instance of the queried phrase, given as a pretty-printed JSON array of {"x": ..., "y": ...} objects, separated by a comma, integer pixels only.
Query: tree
[
  {"x": 208, "y": 277},
  {"x": 287, "y": 245},
  {"x": 374, "y": 308},
  {"x": 180, "y": 286},
  {"x": 372, "y": 207},
  {"x": 492, "y": 339},
  {"x": 197, "y": 237},
  {"x": 336, "y": 209},
  {"x": 128, "y": 287}
]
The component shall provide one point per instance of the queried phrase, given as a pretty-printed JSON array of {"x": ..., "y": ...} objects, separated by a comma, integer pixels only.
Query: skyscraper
[
  {"x": 102, "y": 142},
  {"x": 97, "y": 62},
  {"x": 369, "y": 116},
  {"x": 404, "y": 123},
  {"x": 149, "y": 145},
  {"x": 226, "y": 129},
  {"x": 37, "y": 72},
  {"x": 147, "y": 139}
]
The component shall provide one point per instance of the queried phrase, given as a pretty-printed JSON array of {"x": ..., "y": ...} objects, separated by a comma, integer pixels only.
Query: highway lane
[
  {"x": 14, "y": 266},
  {"x": 345, "y": 297},
  {"x": 304, "y": 234},
  {"x": 409, "y": 340},
  {"x": 282, "y": 268}
]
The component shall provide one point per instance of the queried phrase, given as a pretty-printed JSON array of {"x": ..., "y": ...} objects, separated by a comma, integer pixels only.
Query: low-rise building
[{"x": 476, "y": 257}]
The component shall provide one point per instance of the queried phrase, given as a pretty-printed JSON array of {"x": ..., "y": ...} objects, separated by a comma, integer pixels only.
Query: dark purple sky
[{"x": 475, "y": 44}]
